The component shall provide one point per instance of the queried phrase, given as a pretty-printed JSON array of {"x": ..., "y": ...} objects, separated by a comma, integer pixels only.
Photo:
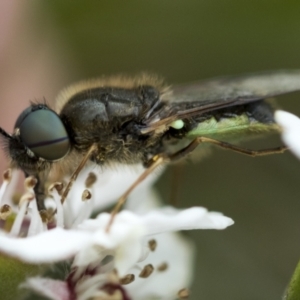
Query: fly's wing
[
  {"x": 208, "y": 95},
  {"x": 244, "y": 88}
]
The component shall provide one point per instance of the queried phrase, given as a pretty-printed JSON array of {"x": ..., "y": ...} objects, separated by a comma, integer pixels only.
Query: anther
[
  {"x": 5, "y": 211},
  {"x": 162, "y": 267},
  {"x": 183, "y": 294},
  {"x": 7, "y": 175},
  {"x": 23, "y": 205},
  {"x": 58, "y": 186},
  {"x": 147, "y": 271},
  {"x": 127, "y": 279},
  {"x": 30, "y": 182},
  {"x": 86, "y": 195},
  {"x": 152, "y": 245},
  {"x": 106, "y": 260},
  {"x": 91, "y": 179}
]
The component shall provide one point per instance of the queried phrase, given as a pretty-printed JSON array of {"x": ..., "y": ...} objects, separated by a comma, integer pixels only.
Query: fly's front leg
[{"x": 74, "y": 176}]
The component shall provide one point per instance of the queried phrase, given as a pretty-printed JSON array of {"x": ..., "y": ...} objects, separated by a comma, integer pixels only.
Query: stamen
[
  {"x": 36, "y": 222},
  {"x": 24, "y": 201},
  {"x": 86, "y": 195},
  {"x": 30, "y": 183},
  {"x": 7, "y": 175},
  {"x": 152, "y": 245},
  {"x": 86, "y": 287},
  {"x": 55, "y": 190},
  {"x": 10, "y": 192},
  {"x": 16, "y": 198},
  {"x": 106, "y": 260},
  {"x": 87, "y": 208},
  {"x": 162, "y": 267},
  {"x": 58, "y": 186},
  {"x": 147, "y": 271},
  {"x": 76, "y": 273},
  {"x": 183, "y": 294},
  {"x": 127, "y": 279},
  {"x": 6, "y": 181},
  {"x": 91, "y": 179},
  {"x": 5, "y": 211}
]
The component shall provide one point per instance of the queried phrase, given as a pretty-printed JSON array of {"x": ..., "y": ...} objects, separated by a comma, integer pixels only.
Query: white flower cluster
[{"x": 139, "y": 257}]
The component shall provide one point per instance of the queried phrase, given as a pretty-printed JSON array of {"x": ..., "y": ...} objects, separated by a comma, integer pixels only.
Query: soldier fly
[{"x": 141, "y": 120}]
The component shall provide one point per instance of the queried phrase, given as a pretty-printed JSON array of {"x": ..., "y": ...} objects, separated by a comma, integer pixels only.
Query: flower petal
[
  {"x": 290, "y": 130},
  {"x": 47, "y": 247},
  {"x": 171, "y": 219},
  {"x": 124, "y": 238},
  {"x": 164, "y": 219},
  {"x": 177, "y": 252}
]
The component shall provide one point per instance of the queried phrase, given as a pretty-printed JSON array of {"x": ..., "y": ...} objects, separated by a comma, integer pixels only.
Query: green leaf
[
  {"x": 293, "y": 290},
  {"x": 12, "y": 274}
]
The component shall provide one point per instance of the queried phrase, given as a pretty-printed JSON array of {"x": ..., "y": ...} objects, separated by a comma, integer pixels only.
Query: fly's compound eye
[{"x": 43, "y": 132}]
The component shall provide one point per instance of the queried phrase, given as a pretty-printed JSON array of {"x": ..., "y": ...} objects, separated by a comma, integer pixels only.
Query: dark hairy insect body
[
  {"x": 112, "y": 118},
  {"x": 139, "y": 120}
]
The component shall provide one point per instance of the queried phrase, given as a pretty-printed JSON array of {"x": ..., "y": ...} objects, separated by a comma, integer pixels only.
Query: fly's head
[{"x": 39, "y": 138}]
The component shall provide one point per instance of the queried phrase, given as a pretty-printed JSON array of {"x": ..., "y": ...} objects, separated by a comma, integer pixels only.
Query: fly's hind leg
[
  {"x": 253, "y": 153},
  {"x": 160, "y": 159}
]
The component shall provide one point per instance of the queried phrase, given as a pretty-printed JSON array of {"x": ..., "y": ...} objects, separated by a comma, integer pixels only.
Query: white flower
[
  {"x": 104, "y": 260},
  {"x": 110, "y": 185},
  {"x": 126, "y": 246},
  {"x": 290, "y": 125}
]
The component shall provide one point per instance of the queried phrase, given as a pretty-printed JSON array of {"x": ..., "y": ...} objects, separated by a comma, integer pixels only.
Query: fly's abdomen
[{"x": 234, "y": 123}]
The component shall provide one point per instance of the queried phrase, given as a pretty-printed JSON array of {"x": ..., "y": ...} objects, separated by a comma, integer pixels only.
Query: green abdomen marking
[{"x": 237, "y": 127}]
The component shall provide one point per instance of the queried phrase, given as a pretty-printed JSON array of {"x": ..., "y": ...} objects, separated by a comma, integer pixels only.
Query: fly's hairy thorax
[{"x": 110, "y": 118}]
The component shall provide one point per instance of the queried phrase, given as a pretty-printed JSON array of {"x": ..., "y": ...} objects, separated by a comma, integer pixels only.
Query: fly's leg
[
  {"x": 155, "y": 161},
  {"x": 253, "y": 153},
  {"x": 77, "y": 171},
  {"x": 160, "y": 159}
]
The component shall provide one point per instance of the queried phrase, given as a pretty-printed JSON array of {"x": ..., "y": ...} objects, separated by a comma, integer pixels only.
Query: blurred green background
[{"x": 185, "y": 41}]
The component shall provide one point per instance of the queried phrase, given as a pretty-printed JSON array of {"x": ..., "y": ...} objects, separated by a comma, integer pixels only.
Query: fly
[{"x": 141, "y": 120}]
